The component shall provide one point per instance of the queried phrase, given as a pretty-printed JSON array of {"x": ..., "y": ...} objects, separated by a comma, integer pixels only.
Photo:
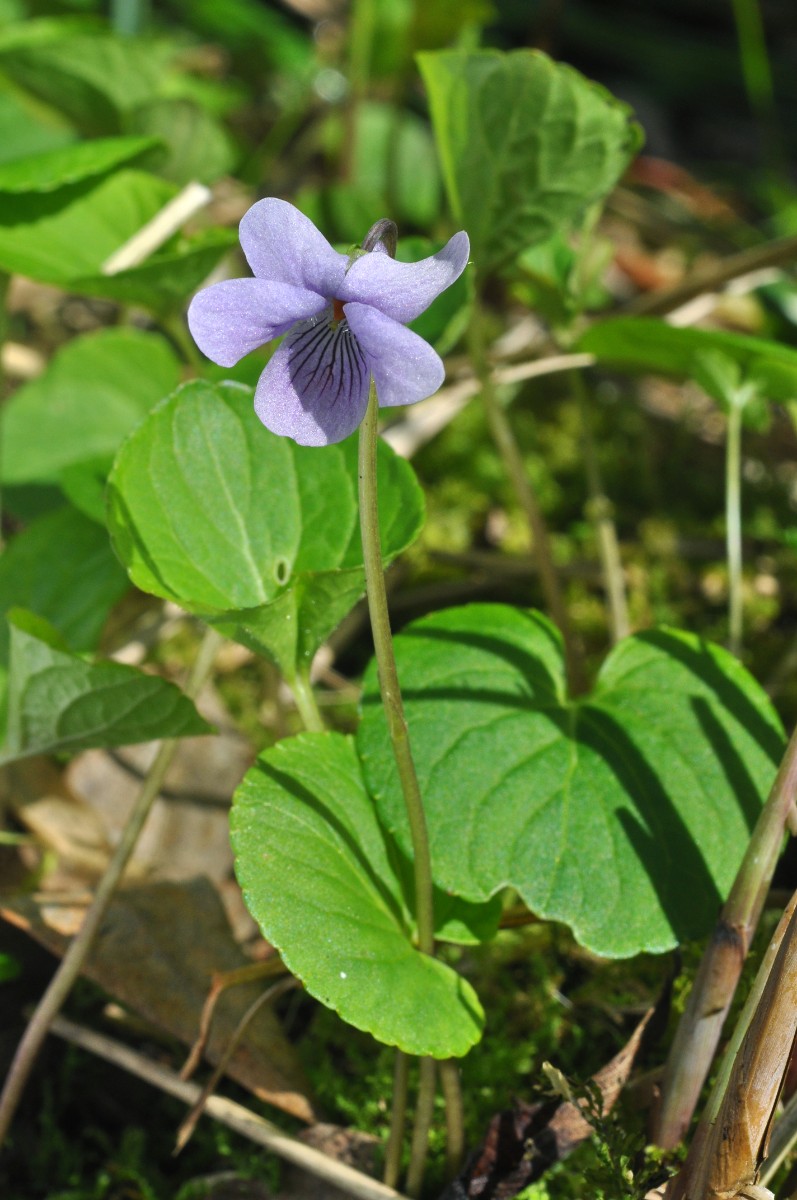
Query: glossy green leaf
[
  {"x": 624, "y": 813},
  {"x": 91, "y": 395},
  {"x": 318, "y": 876},
  {"x": 61, "y": 236},
  {"x": 526, "y": 144},
  {"x": 58, "y": 168},
  {"x": 25, "y": 130},
  {"x": 257, "y": 534},
  {"x": 647, "y": 344},
  {"x": 165, "y": 281},
  {"x": 58, "y": 702}
]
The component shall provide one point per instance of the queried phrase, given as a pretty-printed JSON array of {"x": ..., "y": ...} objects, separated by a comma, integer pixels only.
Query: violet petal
[
  {"x": 229, "y": 319},
  {"x": 405, "y": 367},
  {"x": 404, "y": 290},
  {"x": 315, "y": 388},
  {"x": 283, "y": 244}
]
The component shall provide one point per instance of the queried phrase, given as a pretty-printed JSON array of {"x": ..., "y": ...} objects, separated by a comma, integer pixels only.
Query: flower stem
[
  {"x": 388, "y": 675},
  {"x": 733, "y": 525},
  {"x": 398, "y": 1119},
  {"x": 455, "y": 1121},
  {"x": 504, "y": 438},
  {"x": 424, "y": 1109},
  {"x": 79, "y": 948}
]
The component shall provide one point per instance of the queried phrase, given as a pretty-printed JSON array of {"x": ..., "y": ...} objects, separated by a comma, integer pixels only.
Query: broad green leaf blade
[
  {"x": 165, "y": 281},
  {"x": 526, "y": 144},
  {"x": 317, "y": 875},
  {"x": 93, "y": 79},
  {"x": 646, "y": 344},
  {"x": 65, "y": 235},
  {"x": 24, "y": 129},
  {"x": 622, "y": 815},
  {"x": 58, "y": 702},
  {"x": 95, "y": 390},
  {"x": 257, "y": 534},
  {"x": 58, "y": 168}
]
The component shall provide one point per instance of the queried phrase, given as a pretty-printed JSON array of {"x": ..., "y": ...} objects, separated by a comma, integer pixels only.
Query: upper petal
[
  {"x": 282, "y": 243},
  {"x": 229, "y": 319},
  {"x": 405, "y": 367},
  {"x": 315, "y": 387},
  {"x": 403, "y": 290}
]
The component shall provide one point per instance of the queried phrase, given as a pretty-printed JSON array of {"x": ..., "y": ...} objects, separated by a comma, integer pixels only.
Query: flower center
[{"x": 337, "y": 312}]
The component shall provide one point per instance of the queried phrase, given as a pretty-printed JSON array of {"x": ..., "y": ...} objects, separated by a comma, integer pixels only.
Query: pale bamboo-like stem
[
  {"x": 699, "y": 1029},
  {"x": 79, "y": 948}
]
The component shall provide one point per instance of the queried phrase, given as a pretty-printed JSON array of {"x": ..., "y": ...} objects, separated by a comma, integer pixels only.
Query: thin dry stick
[
  {"x": 72, "y": 963},
  {"x": 228, "y": 1113},
  {"x": 185, "y": 1132},
  {"x": 171, "y": 217},
  {"x": 252, "y": 972}
]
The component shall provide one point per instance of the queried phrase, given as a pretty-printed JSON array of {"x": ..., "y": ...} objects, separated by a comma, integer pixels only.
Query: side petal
[
  {"x": 281, "y": 243},
  {"x": 403, "y": 290},
  {"x": 229, "y": 319},
  {"x": 315, "y": 388},
  {"x": 405, "y": 367}
]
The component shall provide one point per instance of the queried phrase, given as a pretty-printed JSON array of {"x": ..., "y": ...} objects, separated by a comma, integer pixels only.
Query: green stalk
[
  {"x": 423, "y": 1123},
  {"x": 306, "y": 702},
  {"x": 733, "y": 525},
  {"x": 601, "y": 513},
  {"x": 504, "y": 438},
  {"x": 81, "y": 945},
  {"x": 455, "y": 1118},
  {"x": 400, "y": 739},
  {"x": 388, "y": 675},
  {"x": 398, "y": 1119},
  {"x": 700, "y": 1027},
  {"x": 5, "y": 281}
]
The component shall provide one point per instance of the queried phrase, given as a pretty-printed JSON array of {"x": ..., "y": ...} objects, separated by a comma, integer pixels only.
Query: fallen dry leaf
[{"x": 157, "y": 950}]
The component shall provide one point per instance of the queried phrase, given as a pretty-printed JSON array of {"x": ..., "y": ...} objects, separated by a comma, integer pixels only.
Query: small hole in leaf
[{"x": 282, "y": 571}]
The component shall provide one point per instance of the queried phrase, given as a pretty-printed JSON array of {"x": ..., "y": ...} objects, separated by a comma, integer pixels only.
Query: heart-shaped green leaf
[
  {"x": 255, "y": 533},
  {"x": 527, "y": 145},
  {"x": 318, "y": 876},
  {"x": 91, "y": 395},
  {"x": 624, "y": 814},
  {"x": 59, "y": 702}
]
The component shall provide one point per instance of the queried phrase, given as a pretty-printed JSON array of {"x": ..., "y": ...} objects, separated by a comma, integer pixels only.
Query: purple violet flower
[{"x": 343, "y": 318}]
